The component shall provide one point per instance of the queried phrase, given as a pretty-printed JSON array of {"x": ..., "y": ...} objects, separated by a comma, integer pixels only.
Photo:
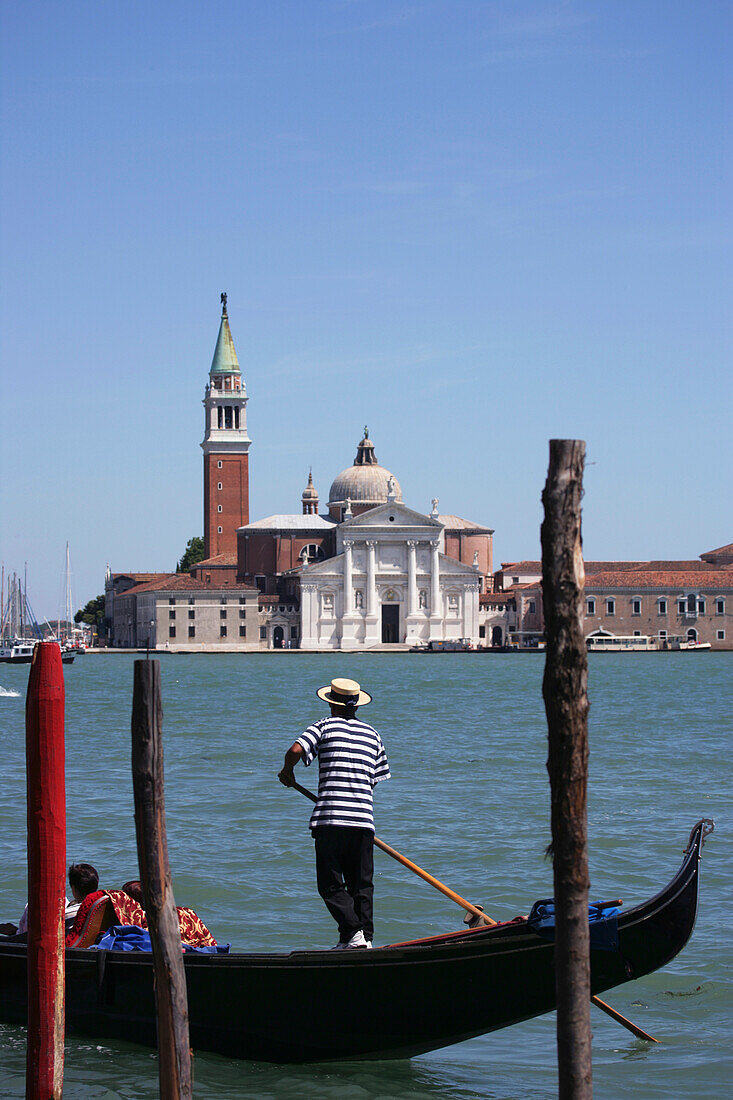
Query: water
[{"x": 469, "y": 801}]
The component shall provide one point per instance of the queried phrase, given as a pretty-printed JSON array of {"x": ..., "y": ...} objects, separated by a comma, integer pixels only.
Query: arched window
[{"x": 311, "y": 553}]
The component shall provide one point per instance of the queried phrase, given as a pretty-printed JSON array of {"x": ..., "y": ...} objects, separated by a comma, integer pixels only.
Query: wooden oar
[
  {"x": 417, "y": 870},
  {"x": 615, "y": 1015},
  {"x": 633, "y": 1028}
]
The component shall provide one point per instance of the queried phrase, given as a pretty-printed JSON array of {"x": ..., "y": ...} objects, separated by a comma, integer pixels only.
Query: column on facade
[
  {"x": 371, "y": 577},
  {"x": 307, "y": 632},
  {"x": 435, "y": 579},
  {"x": 468, "y": 604},
  {"x": 348, "y": 578},
  {"x": 411, "y": 576}
]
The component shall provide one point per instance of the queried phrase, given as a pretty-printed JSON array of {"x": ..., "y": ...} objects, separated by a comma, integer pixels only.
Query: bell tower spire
[{"x": 225, "y": 446}]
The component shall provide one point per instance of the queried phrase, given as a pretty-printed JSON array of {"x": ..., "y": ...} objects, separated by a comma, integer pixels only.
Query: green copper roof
[{"x": 225, "y": 357}]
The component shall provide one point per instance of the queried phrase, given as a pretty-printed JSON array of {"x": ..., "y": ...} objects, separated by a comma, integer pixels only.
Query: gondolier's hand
[{"x": 286, "y": 777}]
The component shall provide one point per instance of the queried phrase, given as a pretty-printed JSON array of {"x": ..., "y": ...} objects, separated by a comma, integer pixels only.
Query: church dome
[{"x": 365, "y": 484}]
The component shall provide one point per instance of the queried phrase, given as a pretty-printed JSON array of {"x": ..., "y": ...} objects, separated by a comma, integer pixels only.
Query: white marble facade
[{"x": 388, "y": 582}]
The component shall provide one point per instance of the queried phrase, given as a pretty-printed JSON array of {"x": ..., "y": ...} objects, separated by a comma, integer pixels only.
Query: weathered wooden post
[
  {"x": 566, "y": 703},
  {"x": 46, "y": 794},
  {"x": 174, "y": 1056}
]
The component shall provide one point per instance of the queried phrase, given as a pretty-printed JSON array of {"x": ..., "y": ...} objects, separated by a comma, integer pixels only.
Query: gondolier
[{"x": 351, "y": 761}]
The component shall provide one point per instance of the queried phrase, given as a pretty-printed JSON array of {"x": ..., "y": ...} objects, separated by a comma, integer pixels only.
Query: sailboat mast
[{"x": 68, "y": 610}]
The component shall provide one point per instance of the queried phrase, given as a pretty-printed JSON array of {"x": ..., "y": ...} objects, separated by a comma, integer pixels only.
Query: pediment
[
  {"x": 380, "y": 517},
  {"x": 329, "y": 567}
]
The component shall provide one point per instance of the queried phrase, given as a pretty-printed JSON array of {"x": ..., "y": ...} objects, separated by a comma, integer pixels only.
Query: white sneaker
[
  {"x": 357, "y": 940},
  {"x": 369, "y": 944}
]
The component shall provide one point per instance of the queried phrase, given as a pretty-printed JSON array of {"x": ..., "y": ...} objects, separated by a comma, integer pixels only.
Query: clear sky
[{"x": 471, "y": 225}]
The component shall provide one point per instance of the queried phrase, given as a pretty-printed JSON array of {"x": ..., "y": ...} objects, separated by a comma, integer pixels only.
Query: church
[{"x": 368, "y": 571}]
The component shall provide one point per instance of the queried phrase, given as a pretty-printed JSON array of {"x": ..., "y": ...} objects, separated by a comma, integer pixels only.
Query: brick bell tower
[{"x": 226, "y": 447}]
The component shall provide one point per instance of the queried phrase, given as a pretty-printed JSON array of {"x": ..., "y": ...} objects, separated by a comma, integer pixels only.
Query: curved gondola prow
[{"x": 653, "y": 933}]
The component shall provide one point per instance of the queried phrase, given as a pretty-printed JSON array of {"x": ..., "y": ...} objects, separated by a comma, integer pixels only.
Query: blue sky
[{"x": 474, "y": 226}]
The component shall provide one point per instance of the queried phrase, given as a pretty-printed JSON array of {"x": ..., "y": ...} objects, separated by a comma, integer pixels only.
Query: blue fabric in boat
[
  {"x": 602, "y": 917},
  {"x": 129, "y": 937}
]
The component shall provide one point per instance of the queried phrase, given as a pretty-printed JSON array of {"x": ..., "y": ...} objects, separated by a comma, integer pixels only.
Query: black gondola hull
[{"x": 393, "y": 1002}]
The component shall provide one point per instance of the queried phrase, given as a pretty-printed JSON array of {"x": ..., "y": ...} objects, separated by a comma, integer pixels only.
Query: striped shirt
[{"x": 351, "y": 761}]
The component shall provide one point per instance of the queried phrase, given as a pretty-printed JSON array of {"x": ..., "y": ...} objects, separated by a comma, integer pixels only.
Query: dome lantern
[{"x": 363, "y": 485}]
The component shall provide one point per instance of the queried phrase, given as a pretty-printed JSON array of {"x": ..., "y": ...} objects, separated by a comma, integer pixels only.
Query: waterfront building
[
  {"x": 370, "y": 571},
  {"x": 691, "y": 600},
  {"x": 175, "y": 611}
]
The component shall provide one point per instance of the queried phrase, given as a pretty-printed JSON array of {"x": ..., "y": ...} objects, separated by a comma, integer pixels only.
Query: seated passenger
[
  {"x": 134, "y": 890},
  {"x": 83, "y": 880}
]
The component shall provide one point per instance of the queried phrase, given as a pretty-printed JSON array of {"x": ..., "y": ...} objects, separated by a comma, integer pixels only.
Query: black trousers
[{"x": 344, "y": 872}]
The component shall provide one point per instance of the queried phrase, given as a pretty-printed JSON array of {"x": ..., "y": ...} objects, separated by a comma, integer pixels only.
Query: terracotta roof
[
  {"x": 496, "y": 597},
  {"x": 139, "y": 577},
  {"x": 456, "y": 523},
  {"x": 676, "y": 566},
  {"x": 723, "y": 554},
  {"x": 590, "y": 566},
  {"x": 593, "y": 567},
  {"x": 218, "y": 560},
  {"x": 709, "y": 580},
  {"x": 182, "y": 582}
]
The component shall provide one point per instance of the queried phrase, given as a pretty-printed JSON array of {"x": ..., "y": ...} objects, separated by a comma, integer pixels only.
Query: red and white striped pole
[{"x": 44, "y": 752}]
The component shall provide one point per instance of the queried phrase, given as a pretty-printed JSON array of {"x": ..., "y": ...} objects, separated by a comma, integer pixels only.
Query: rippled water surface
[{"x": 469, "y": 801}]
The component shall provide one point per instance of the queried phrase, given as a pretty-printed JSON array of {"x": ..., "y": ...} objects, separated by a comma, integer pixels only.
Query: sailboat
[{"x": 19, "y": 629}]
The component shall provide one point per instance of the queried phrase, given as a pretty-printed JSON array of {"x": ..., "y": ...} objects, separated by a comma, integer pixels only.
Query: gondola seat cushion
[{"x": 99, "y": 915}]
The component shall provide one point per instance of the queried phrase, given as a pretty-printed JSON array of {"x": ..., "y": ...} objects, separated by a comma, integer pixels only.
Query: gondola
[{"x": 391, "y": 1002}]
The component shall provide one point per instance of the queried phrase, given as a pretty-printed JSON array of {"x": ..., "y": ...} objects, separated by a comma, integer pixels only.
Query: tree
[
  {"x": 193, "y": 553},
  {"x": 92, "y": 612}
]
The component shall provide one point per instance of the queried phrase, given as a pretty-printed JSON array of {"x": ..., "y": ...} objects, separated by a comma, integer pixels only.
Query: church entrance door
[
  {"x": 390, "y": 623},
  {"x": 277, "y": 637},
  {"x": 496, "y": 635}
]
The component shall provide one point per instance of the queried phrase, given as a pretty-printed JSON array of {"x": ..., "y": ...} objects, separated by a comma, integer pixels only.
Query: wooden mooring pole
[
  {"x": 564, "y": 689},
  {"x": 174, "y": 1055},
  {"x": 46, "y": 794}
]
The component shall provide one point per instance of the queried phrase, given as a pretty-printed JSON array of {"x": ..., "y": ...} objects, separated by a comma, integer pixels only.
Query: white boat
[
  {"x": 641, "y": 643},
  {"x": 682, "y": 643},
  {"x": 20, "y": 652},
  {"x": 17, "y": 652},
  {"x": 621, "y": 643}
]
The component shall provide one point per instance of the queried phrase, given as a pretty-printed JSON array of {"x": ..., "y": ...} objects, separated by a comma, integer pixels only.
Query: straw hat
[{"x": 343, "y": 692}]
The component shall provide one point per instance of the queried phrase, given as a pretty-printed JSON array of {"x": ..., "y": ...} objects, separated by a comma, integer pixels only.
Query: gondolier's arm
[{"x": 292, "y": 756}]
